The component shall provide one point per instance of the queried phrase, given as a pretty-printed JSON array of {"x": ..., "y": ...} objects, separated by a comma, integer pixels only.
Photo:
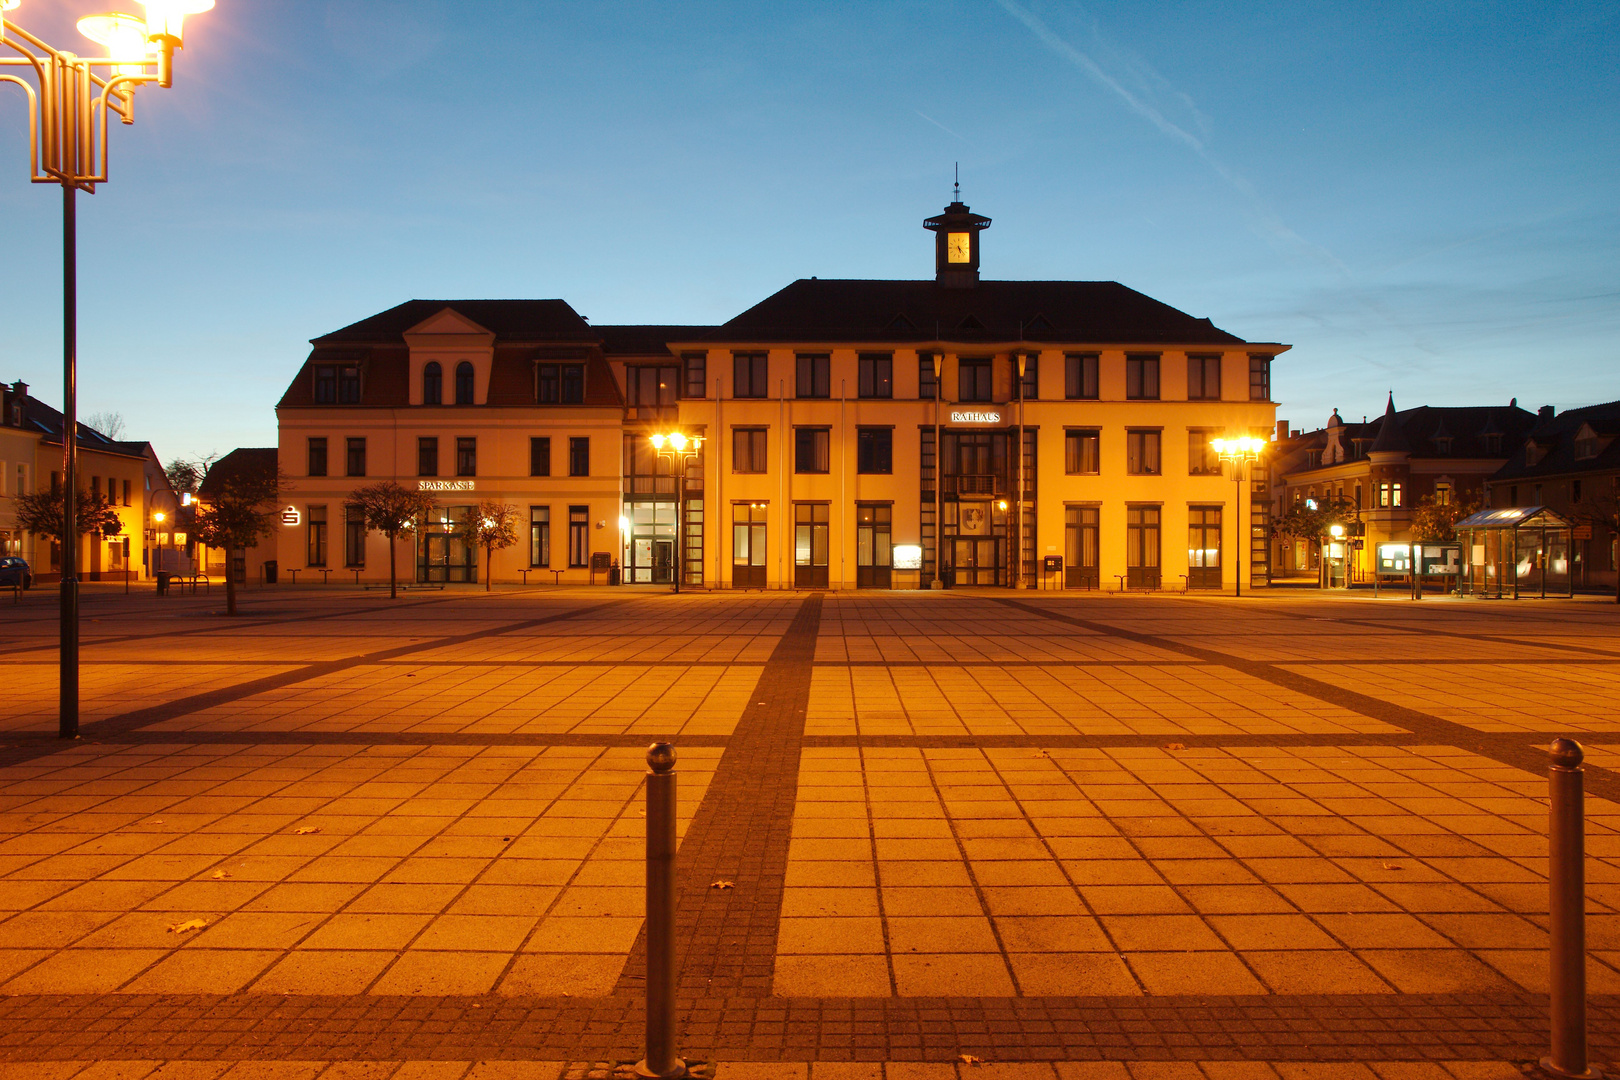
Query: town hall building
[{"x": 843, "y": 434}]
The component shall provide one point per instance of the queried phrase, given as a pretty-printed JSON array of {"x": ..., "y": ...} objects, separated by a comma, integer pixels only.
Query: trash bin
[
  {"x": 613, "y": 575},
  {"x": 270, "y": 572},
  {"x": 163, "y": 583}
]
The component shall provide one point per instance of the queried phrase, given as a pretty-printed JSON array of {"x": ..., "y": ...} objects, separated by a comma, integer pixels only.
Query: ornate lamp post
[
  {"x": 681, "y": 449},
  {"x": 70, "y": 107},
  {"x": 1240, "y": 451}
]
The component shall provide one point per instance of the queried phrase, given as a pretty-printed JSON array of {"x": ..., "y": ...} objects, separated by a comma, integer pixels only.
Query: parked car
[{"x": 15, "y": 571}]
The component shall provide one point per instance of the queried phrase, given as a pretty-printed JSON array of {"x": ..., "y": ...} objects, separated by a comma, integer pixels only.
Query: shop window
[
  {"x": 432, "y": 384},
  {"x": 540, "y": 455},
  {"x": 1142, "y": 376},
  {"x": 1080, "y": 376},
  {"x": 466, "y": 456},
  {"x": 811, "y": 450},
  {"x": 749, "y": 375},
  {"x": 579, "y": 537},
  {"x": 1080, "y": 452},
  {"x": 874, "y": 450},
  {"x": 974, "y": 379},
  {"x": 814, "y": 375},
  {"x": 1142, "y": 453},
  {"x": 876, "y": 375},
  {"x": 1203, "y": 378},
  {"x": 579, "y": 455},
  {"x": 427, "y": 456},
  {"x": 539, "y": 536},
  {"x": 748, "y": 450},
  {"x": 357, "y": 457}
]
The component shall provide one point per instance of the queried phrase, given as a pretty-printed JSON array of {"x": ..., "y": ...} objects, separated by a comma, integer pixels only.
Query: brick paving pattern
[{"x": 1070, "y": 836}]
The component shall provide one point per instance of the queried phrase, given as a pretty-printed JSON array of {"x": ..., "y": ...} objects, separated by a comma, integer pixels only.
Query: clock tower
[{"x": 956, "y": 244}]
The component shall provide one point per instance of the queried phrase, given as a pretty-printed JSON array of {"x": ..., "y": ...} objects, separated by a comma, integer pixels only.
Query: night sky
[{"x": 1416, "y": 196}]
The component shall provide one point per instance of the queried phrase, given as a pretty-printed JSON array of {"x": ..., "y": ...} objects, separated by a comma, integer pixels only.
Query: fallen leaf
[
  {"x": 158, "y": 821},
  {"x": 1174, "y": 746},
  {"x": 724, "y": 885},
  {"x": 1391, "y": 866},
  {"x": 506, "y": 839},
  {"x": 969, "y": 1059},
  {"x": 188, "y": 926},
  {"x": 221, "y": 874},
  {"x": 305, "y": 830}
]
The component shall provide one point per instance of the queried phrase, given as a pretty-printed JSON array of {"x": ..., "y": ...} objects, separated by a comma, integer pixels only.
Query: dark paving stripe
[
  {"x": 726, "y": 938},
  {"x": 169, "y": 710},
  {"x": 1520, "y": 754},
  {"x": 393, "y": 738},
  {"x": 1371, "y": 1027}
]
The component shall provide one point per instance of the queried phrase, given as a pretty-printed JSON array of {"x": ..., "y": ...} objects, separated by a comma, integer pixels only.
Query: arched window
[
  {"x": 432, "y": 384},
  {"x": 464, "y": 383}
]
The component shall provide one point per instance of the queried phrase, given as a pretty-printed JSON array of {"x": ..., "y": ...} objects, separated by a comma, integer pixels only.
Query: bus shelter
[{"x": 1515, "y": 551}]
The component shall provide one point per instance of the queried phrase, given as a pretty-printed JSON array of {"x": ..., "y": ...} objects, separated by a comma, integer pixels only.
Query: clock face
[{"x": 959, "y": 247}]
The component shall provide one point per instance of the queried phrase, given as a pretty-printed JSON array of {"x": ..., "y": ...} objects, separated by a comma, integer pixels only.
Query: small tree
[
  {"x": 1305, "y": 522},
  {"x": 494, "y": 527},
  {"x": 110, "y": 424},
  {"x": 239, "y": 509},
  {"x": 187, "y": 475},
  {"x": 1437, "y": 522},
  {"x": 391, "y": 509},
  {"x": 40, "y": 512}
]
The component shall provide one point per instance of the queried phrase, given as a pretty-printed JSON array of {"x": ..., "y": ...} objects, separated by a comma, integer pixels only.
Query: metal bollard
[
  {"x": 661, "y": 1060},
  {"x": 1566, "y": 878}
]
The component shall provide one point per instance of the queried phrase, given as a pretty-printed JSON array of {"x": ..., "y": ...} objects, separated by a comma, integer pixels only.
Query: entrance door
[
  {"x": 1080, "y": 560},
  {"x": 874, "y": 559},
  {"x": 1203, "y": 547},
  {"x": 811, "y": 543},
  {"x": 1142, "y": 547},
  {"x": 663, "y": 562},
  {"x": 977, "y": 560},
  {"x": 748, "y": 545},
  {"x": 446, "y": 557}
]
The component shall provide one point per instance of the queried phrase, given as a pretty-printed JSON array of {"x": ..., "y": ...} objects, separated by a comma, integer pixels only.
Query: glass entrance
[
  {"x": 976, "y": 560},
  {"x": 874, "y": 560},
  {"x": 1142, "y": 547},
  {"x": 649, "y": 557},
  {"x": 442, "y": 555},
  {"x": 1203, "y": 547},
  {"x": 748, "y": 545},
  {"x": 811, "y": 542},
  {"x": 1080, "y": 560}
]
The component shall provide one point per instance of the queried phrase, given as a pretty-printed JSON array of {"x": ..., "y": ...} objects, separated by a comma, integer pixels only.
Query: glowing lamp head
[
  {"x": 164, "y": 17},
  {"x": 657, "y": 441},
  {"x": 678, "y": 441},
  {"x": 123, "y": 35},
  {"x": 1219, "y": 445},
  {"x": 1002, "y": 505},
  {"x": 1336, "y": 531},
  {"x": 158, "y": 517},
  {"x": 8, "y": 5}
]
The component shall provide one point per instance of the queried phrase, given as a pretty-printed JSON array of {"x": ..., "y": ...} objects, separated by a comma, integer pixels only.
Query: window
[
  {"x": 354, "y": 536},
  {"x": 1142, "y": 453},
  {"x": 1358, "y": 495},
  {"x": 810, "y": 450},
  {"x": 1259, "y": 377},
  {"x": 647, "y": 386},
  {"x": 579, "y": 542},
  {"x": 748, "y": 376},
  {"x": 815, "y": 375},
  {"x": 748, "y": 450},
  {"x": 1203, "y": 378},
  {"x": 876, "y": 375},
  {"x": 126, "y": 490},
  {"x": 1395, "y": 494},
  {"x": 464, "y": 383},
  {"x": 357, "y": 457},
  {"x": 1201, "y": 458},
  {"x": 1574, "y": 491},
  {"x": 1080, "y": 376},
  {"x": 316, "y": 517},
  {"x": 973, "y": 378},
  {"x": 337, "y": 384},
  {"x": 874, "y": 450},
  {"x": 1029, "y": 388},
  {"x": 579, "y": 455},
  {"x": 1142, "y": 376},
  {"x": 427, "y": 456},
  {"x": 348, "y": 386},
  {"x": 317, "y": 456},
  {"x": 325, "y": 384},
  {"x": 1586, "y": 443},
  {"x": 1442, "y": 494},
  {"x": 540, "y": 456},
  {"x": 1080, "y": 452},
  {"x": 466, "y": 456},
  {"x": 433, "y": 384},
  {"x": 1493, "y": 443},
  {"x": 696, "y": 374},
  {"x": 539, "y": 536},
  {"x": 559, "y": 384},
  {"x": 927, "y": 381}
]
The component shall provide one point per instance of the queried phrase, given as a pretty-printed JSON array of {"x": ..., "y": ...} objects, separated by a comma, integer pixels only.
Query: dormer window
[
  {"x": 1493, "y": 443},
  {"x": 1442, "y": 445},
  {"x": 1586, "y": 443},
  {"x": 1533, "y": 453},
  {"x": 433, "y": 384},
  {"x": 337, "y": 384},
  {"x": 559, "y": 384}
]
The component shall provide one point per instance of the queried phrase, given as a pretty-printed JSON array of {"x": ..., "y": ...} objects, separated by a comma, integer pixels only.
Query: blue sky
[{"x": 1415, "y": 196}]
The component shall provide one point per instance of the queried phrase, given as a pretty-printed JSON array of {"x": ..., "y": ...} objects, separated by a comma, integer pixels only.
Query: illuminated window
[
  {"x": 1142, "y": 453},
  {"x": 1201, "y": 457},
  {"x": 1080, "y": 456},
  {"x": 1395, "y": 494},
  {"x": 1442, "y": 494},
  {"x": 539, "y": 536},
  {"x": 1383, "y": 494},
  {"x": 748, "y": 450}
]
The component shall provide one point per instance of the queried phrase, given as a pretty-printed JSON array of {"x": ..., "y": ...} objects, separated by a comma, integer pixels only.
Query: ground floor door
[
  {"x": 1203, "y": 547},
  {"x": 812, "y": 541},
  {"x": 874, "y": 558},
  {"x": 447, "y": 558},
  {"x": 649, "y": 555},
  {"x": 1080, "y": 560},
  {"x": 1142, "y": 547},
  {"x": 748, "y": 545},
  {"x": 976, "y": 560}
]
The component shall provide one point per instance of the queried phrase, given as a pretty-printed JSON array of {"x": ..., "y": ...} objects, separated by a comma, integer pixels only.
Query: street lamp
[
  {"x": 157, "y": 570},
  {"x": 680, "y": 449},
  {"x": 1240, "y": 451},
  {"x": 69, "y": 111}
]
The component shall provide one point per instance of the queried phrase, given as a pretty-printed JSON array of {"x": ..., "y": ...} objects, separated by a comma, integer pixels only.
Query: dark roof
[
  {"x": 40, "y": 417},
  {"x": 649, "y": 340},
  {"x": 1554, "y": 439},
  {"x": 511, "y": 320},
  {"x": 1391, "y": 433},
  {"x": 1427, "y": 432},
  {"x": 244, "y": 461},
  {"x": 1077, "y": 312}
]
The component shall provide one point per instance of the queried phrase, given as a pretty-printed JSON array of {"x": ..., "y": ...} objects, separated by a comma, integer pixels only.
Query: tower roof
[{"x": 1390, "y": 436}]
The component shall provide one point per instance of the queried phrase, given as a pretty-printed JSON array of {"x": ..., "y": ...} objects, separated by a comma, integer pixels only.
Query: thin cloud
[{"x": 942, "y": 127}]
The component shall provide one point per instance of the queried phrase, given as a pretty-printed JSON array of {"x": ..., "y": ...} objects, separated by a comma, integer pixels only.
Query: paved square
[{"x": 1101, "y": 836}]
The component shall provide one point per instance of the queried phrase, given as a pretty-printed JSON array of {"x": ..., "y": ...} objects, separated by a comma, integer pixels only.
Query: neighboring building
[
  {"x": 1386, "y": 467},
  {"x": 126, "y": 473},
  {"x": 248, "y": 562},
  {"x": 1074, "y": 421},
  {"x": 1570, "y": 463}
]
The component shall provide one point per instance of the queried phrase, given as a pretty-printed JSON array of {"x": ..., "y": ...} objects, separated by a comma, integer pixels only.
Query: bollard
[
  {"x": 661, "y": 1060},
  {"x": 1566, "y": 879}
]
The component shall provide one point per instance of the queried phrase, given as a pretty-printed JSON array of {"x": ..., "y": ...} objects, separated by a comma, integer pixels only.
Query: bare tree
[
  {"x": 494, "y": 527},
  {"x": 391, "y": 510},
  {"x": 187, "y": 474},
  {"x": 240, "y": 508},
  {"x": 110, "y": 424}
]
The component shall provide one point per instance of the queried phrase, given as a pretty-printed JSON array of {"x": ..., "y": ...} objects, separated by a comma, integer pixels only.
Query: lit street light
[
  {"x": 69, "y": 111},
  {"x": 1239, "y": 451},
  {"x": 680, "y": 449}
]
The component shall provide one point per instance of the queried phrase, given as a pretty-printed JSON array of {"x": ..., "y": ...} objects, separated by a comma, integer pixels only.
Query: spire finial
[{"x": 957, "y": 188}]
